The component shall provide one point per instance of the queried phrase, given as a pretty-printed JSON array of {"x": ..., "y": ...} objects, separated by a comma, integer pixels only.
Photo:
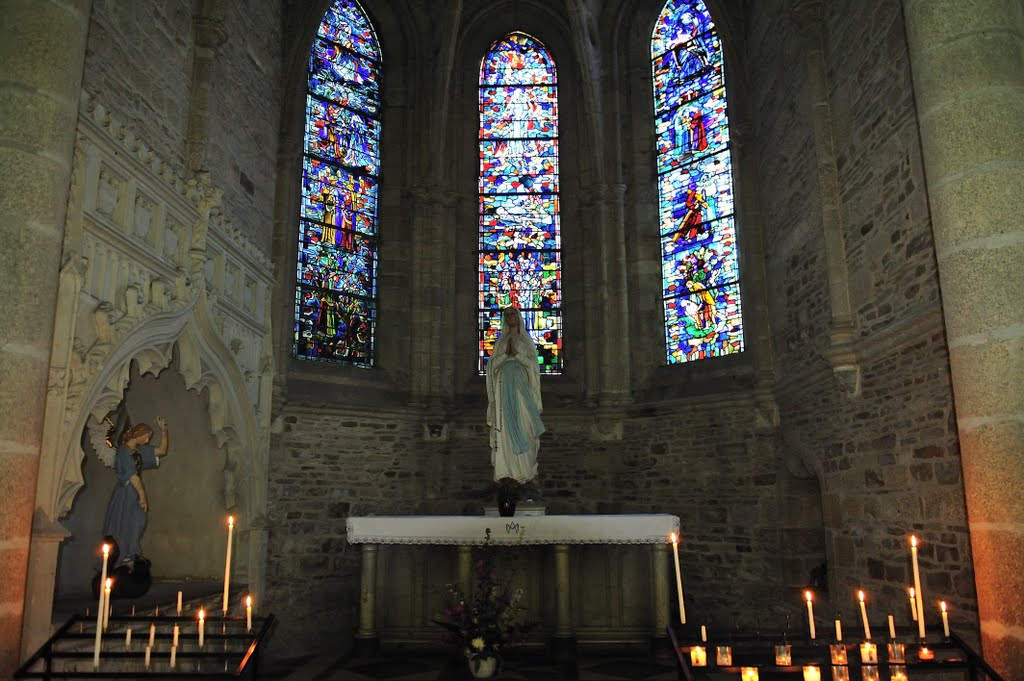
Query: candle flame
[
  {"x": 248, "y": 601},
  {"x": 674, "y": 538},
  {"x": 911, "y": 592},
  {"x": 860, "y": 595},
  {"x": 110, "y": 582},
  {"x": 808, "y": 595},
  {"x": 106, "y": 549},
  {"x": 202, "y": 614},
  {"x": 231, "y": 520},
  {"x": 943, "y": 605},
  {"x": 913, "y": 540}
]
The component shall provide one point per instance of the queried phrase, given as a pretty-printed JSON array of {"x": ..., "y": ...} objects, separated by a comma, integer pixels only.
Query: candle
[
  {"x": 723, "y": 656},
  {"x": 749, "y": 674},
  {"x": 227, "y": 563},
  {"x": 917, "y": 587},
  {"x": 679, "y": 579},
  {"x": 202, "y": 623},
  {"x": 174, "y": 655},
  {"x": 128, "y": 637},
  {"x": 174, "y": 643},
  {"x": 926, "y": 653},
  {"x": 156, "y": 611},
  {"x": 864, "y": 615},
  {"x": 840, "y": 673},
  {"x": 698, "y": 656},
  {"x": 810, "y": 614},
  {"x": 152, "y": 634},
  {"x": 839, "y": 630},
  {"x": 897, "y": 652},
  {"x": 812, "y": 673},
  {"x": 869, "y": 672},
  {"x": 868, "y": 653},
  {"x": 149, "y": 650},
  {"x": 248, "y": 613},
  {"x": 945, "y": 619},
  {"x": 913, "y": 604},
  {"x": 101, "y": 609},
  {"x": 106, "y": 596},
  {"x": 897, "y": 672},
  {"x": 892, "y": 627},
  {"x": 783, "y": 655},
  {"x": 179, "y": 603},
  {"x": 838, "y": 653}
]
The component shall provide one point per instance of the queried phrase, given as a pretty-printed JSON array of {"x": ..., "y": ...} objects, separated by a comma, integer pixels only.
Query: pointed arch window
[
  {"x": 336, "y": 277},
  {"x": 520, "y": 256},
  {"x": 700, "y": 269}
]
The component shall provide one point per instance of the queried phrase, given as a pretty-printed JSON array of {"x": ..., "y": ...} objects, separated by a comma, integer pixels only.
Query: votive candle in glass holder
[
  {"x": 812, "y": 673},
  {"x": 868, "y": 653},
  {"x": 869, "y": 672},
  {"x": 698, "y": 656},
  {"x": 749, "y": 674},
  {"x": 783, "y": 655},
  {"x": 840, "y": 673},
  {"x": 897, "y": 672},
  {"x": 723, "y": 656},
  {"x": 925, "y": 653},
  {"x": 838, "y": 653},
  {"x": 897, "y": 652}
]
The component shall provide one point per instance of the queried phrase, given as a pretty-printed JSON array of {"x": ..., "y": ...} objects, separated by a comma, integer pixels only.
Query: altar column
[
  {"x": 969, "y": 89},
  {"x": 367, "y": 642},
  {"x": 564, "y": 642},
  {"x": 659, "y": 592},
  {"x": 43, "y": 52}
]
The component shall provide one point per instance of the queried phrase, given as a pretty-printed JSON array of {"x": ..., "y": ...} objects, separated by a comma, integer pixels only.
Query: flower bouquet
[{"x": 490, "y": 618}]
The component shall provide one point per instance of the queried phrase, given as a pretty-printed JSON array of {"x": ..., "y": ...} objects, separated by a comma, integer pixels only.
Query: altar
[{"x": 594, "y": 536}]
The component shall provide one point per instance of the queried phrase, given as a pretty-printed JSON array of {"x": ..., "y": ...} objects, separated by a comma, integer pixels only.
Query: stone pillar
[
  {"x": 809, "y": 15},
  {"x": 367, "y": 643},
  {"x": 43, "y": 51},
  {"x": 969, "y": 86},
  {"x": 563, "y": 644}
]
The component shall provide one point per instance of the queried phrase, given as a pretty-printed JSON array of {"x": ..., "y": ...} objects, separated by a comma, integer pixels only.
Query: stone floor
[{"x": 405, "y": 666}]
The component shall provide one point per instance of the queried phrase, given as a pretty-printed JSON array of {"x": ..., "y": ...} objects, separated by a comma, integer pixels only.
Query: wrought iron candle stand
[{"x": 763, "y": 657}]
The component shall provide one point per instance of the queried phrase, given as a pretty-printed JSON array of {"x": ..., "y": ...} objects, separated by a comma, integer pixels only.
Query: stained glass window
[
  {"x": 700, "y": 272},
  {"x": 336, "y": 278},
  {"x": 520, "y": 260}
]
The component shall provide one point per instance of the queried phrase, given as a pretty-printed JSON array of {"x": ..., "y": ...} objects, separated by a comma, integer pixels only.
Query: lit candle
[
  {"x": 202, "y": 623},
  {"x": 840, "y": 673},
  {"x": 698, "y": 656},
  {"x": 897, "y": 672},
  {"x": 152, "y": 634},
  {"x": 868, "y": 653},
  {"x": 174, "y": 643},
  {"x": 839, "y": 630},
  {"x": 179, "y": 603},
  {"x": 749, "y": 674},
  {"x": 174, "y": 655},
  {"x": 864, "y": 615},
  {"x": 812, "y": 673},
  {"x": 945, "y": 620},
  {"x": 248, "y": 613},
  {"x": 838, "y": 653},
  {"x": 913, "y": 603},
  {"x": 101, "y": 609},
  {"x": 917, "y": 587},
  {"x": 128, "y": 637},
  {"x": 892, "y": 627},
  {"x": 723, "y": 656},
  {"x": 810, "y": 614},
  {"x": 783, "y": 655},
  {"x": 106, "y": 596},
  {"x": 679, "y": 579},
  {"x": 869, "y": 672},
  {"x": 149, "y": 651},
  {"x": 227, "y": 563},
  {"x": 926, "y": 653}
]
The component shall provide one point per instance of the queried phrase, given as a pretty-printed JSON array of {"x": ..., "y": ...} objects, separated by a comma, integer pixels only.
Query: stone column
[
  {"x": 659, "y": 590},
  {"x": 367, "y": 643},
  {"x": 43, "y": 52},
  {"x": 809, "y": 15},
  {"x": 563, "y": 644},
  {"x": 969, "y": 86}
]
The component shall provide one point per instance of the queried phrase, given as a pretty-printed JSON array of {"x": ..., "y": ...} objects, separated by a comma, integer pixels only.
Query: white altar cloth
[{"x": 549, "y": 529}]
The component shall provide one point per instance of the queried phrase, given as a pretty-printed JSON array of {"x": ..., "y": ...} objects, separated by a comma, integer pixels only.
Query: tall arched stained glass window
[
  {"x": 520, "y": 261},
  {"x": 700, "y": 272},
  {"x": 336, "y": 279}
]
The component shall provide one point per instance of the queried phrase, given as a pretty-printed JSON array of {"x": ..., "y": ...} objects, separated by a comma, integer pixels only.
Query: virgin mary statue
[{"x": 513, "y": 401}]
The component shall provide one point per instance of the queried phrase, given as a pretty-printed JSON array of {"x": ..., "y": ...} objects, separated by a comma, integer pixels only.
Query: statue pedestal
[{"x": 522, "y": 510}]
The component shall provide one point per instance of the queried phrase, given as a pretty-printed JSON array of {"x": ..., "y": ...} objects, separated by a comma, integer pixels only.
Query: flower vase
[
  {"x": 507, "y": 498},
  {"x": 483, "y": 666}
]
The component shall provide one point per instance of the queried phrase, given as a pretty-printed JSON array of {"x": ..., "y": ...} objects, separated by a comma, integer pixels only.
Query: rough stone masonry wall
[
  {"x": 713, "y": 464},
  {"x": 888, "y": 459},
  {"x": 139, "y": 63}
]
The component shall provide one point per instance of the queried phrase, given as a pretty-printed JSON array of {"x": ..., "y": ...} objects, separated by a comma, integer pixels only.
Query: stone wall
[
  {"x": 715, "y": 464},
  {"x": 887, "y": 458}
]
